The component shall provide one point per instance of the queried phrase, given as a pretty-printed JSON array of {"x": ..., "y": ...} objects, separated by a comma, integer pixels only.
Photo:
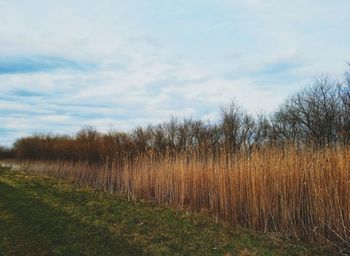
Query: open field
[
  {"x": 302, "y": 194},
  {"x": 44, "y": 216},
  {"x": 174, "y": 127}
]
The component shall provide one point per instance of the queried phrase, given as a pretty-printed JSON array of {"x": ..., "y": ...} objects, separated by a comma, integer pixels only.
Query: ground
[{"x": 43, "y": 216}]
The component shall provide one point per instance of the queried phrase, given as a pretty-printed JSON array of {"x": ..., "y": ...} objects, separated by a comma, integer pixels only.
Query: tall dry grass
[{"x": 304, "y": 194}]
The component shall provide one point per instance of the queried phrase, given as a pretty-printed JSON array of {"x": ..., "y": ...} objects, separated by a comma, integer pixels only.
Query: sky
[{"x": 116, "y": 65}]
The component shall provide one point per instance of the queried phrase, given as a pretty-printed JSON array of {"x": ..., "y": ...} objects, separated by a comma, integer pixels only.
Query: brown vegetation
[
  {"x": 302, "y": 194},
  {"x": 288, "y": 172}
]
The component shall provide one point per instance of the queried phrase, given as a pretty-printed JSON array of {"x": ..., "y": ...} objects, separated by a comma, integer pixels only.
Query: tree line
[{"x": 317, "y": 116}]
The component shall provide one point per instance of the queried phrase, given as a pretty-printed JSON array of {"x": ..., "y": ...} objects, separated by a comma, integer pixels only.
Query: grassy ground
[{"x": 42, "y": 216}]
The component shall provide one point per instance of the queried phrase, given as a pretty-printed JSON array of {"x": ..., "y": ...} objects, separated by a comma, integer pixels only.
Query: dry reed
[{"x": 303, "y": 194}]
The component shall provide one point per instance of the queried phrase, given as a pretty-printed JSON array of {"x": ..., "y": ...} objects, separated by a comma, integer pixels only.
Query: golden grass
[{"x": 303, "y": 194}]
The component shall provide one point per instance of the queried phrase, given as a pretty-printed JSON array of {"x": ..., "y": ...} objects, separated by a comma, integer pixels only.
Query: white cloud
[{"x": 163, "y": 59}]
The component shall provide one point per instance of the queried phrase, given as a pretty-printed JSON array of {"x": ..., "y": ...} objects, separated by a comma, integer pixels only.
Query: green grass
[{"x": 42, "y": 216}]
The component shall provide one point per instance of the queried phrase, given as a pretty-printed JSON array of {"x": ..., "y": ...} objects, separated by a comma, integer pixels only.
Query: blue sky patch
[{"x": 18, "y": 65}]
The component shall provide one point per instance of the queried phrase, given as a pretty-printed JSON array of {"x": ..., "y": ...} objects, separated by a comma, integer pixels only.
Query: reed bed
[{"x": 300, "y": 193}]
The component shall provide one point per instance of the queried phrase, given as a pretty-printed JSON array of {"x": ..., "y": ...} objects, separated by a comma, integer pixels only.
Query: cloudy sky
[{"x": 119, "y": 64}]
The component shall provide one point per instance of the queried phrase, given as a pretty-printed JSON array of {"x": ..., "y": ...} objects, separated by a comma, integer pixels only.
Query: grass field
[{"x": 42, "y": 216}]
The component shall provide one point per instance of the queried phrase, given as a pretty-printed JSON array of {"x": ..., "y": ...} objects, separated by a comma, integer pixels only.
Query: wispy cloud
[
  {"x": 18, "y": 65},
  {"x": 115, "y": 65}
]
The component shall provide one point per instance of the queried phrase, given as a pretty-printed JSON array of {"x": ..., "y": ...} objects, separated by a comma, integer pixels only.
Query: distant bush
[{"x": 6, "y": 153}]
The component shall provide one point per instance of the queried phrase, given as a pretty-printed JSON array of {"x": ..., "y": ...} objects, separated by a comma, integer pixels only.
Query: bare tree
[
  {"x": 312, "y": 115},
  {"x": 344, "y": 94},
  {"x": 158, "y": 139},
  {"x": 262, "y": 131},
  {"x": 141, "y": 139},
  {"x": 184, "y": 135},
  {"x": 247, "y": 132},
  {"x": 231, "y": 125}
]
